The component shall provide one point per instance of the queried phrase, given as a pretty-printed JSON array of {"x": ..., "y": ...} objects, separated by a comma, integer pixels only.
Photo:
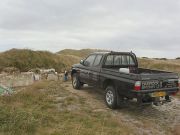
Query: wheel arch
[
  {"x": 109, "y": 82},
  {"x": 73, "y": 71}
]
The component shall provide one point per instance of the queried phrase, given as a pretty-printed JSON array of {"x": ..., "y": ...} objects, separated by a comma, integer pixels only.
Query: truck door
[
  {"x": 85, "y": 69},
  {"x": 94, "y": 73}
]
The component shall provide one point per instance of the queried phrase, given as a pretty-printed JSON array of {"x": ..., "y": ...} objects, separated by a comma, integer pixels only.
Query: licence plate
[{"x": 158, "y": 94}]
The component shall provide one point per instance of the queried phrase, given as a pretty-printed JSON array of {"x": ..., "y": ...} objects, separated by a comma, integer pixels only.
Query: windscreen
[{"x": 119, "y": 60}]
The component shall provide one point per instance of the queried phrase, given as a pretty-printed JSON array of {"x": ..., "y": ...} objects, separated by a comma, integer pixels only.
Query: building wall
[{"x": 16, "y": 80}]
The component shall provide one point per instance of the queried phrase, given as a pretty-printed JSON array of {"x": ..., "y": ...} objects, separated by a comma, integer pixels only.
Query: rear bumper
[
  {"x": 169, "y": 91},
  {"x": 144, "y": 96}
]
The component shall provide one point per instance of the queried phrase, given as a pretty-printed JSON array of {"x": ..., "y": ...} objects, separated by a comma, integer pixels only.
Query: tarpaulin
[{"x": 5, "y": 90}]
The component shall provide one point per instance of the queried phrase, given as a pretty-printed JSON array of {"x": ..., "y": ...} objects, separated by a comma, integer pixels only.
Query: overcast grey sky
[{"x": 147, "y": 27}]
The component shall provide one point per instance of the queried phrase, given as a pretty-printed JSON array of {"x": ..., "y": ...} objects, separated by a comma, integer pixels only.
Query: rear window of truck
[{"x": 119, "y": 60}]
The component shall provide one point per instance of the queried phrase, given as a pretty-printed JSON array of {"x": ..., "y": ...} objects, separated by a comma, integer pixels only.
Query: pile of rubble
[
  {"x": 49, "y": 74},
  {"x": 14, "y": 79}
]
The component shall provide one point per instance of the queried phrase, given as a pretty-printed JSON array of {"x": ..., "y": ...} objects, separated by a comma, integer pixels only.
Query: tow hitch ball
[
  {"x": 157, "y": 101},
  {"x": 160, "y": 101}
]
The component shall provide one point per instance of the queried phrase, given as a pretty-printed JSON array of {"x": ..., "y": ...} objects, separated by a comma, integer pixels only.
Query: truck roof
[{"x": 113, "y": 52}]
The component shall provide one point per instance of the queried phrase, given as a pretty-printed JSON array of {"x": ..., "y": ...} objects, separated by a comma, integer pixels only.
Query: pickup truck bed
[{"x": 141, "y": 74}]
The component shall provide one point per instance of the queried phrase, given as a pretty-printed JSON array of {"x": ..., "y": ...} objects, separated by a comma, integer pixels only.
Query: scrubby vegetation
[
  {"x": 24, "y": 60},
  {"x": 47, "y": 108}
]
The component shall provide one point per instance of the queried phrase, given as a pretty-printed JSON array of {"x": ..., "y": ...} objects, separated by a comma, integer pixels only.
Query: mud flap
[{"x": 119, "y": 99}]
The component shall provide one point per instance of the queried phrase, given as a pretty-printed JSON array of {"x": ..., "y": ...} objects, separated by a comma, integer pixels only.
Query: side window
[
  {"x": 117, "y": 60},
  {"x": 131, "y": 61},
  {"x": 97, "y": 60},
  {"x": 89, "y": 61},
  {"x": 124, "y": 60},
  {"x": 127, "y": 60},
  {"x": 109, "y": 60}
]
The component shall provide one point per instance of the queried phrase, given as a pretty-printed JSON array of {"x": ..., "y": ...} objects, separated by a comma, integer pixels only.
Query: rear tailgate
[{"x": 159, "y": 82}]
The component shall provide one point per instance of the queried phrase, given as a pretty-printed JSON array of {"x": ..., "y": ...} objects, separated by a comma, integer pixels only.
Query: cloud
[{"x": 149, "y": 28}]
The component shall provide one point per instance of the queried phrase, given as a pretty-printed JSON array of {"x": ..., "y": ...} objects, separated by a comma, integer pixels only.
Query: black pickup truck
[{"x": 121, "y": 78}]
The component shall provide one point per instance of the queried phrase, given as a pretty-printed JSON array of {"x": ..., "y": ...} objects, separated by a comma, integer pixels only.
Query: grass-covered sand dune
[
  {"x": 168, "y": 65},
  {"x": 25, "y": 60},
  {"x": 79, "y": 53}
]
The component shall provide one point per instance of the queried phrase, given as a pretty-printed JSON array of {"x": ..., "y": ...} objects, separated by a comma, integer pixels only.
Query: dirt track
[{"x": 151, "y": 120}]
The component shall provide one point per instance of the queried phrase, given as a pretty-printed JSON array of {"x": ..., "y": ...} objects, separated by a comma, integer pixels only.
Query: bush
[
  {"x": 160, "y": 58},
  {"x": 145, "y": 57}
]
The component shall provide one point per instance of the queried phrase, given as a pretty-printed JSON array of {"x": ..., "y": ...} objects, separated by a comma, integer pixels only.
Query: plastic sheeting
[{"x": 5, "y": 90}]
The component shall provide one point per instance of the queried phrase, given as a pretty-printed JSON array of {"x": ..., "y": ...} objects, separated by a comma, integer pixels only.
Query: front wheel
[
  {"x": 111, "y": 97},
  {"x": 76, "y": 82}
]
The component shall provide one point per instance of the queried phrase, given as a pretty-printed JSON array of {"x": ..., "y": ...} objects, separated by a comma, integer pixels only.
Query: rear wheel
[
  {"x": 76, "y": 82},
  {"x": 111, "y": 97}
]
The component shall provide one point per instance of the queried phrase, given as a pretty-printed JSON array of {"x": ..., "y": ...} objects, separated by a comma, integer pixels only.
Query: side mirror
[{"x": 82, "y": 62}]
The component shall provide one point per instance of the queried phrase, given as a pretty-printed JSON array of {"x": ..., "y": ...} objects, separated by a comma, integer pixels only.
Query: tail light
[
  {"x": 137, "y": 85},
  {"x": 174, "y": 93}
]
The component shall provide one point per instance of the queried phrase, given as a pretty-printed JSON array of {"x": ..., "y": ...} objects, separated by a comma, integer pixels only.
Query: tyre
[
  {"x": 76, "y": 82},
  {"x": 111, "y": 97}
]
